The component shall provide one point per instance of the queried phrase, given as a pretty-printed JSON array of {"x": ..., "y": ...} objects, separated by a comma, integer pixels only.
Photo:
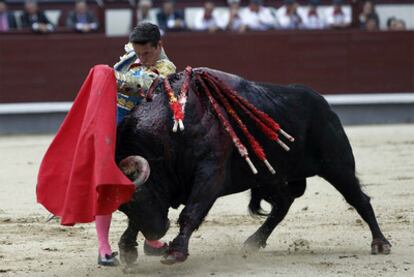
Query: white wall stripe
[
  {"x": 338, "y": 99},
  {"x": 35, "y": 107}
]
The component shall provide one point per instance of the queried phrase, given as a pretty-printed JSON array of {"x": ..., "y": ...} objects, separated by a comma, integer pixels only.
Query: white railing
[{"x": 338, "y": 99}]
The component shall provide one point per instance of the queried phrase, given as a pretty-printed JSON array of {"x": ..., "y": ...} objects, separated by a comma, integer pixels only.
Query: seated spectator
[
  {"x": 256, "y": 17},
  {"x": 81, "y": 19},
  {"x": 399, "y": 25},
  {"x": 170, "y": 19},
  {"x": 288, "y": 16},
  {"x": 390, "y": 21},
  {"x": 35, "y": 19},
  {"x": 233, "y": 21},
  {"x": 371, "y": 24},
  {"x": 394, "y": 24},
  {"x": 337, "y": 17},
  {"x": 207, "y": 19},
  {"x": 314, "y": 19},
  {"x": 368, "y": 12},
  {"x": 7, "y": 19},
  {"x": 143, "y": 11}
]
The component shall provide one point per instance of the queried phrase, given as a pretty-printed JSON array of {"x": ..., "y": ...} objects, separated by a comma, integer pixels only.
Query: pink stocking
[{"x": 103, "y": 222}]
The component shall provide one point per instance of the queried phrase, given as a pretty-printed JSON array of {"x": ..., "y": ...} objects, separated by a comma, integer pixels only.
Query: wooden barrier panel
[
  {"x": 328, "y": 61},
  {"x": 52, "y": 67}
]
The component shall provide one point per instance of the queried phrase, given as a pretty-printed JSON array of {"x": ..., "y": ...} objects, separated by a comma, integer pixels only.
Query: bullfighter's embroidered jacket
[
  {"x": 130, "y": 73},
  {"x": 133, "y": 77}
]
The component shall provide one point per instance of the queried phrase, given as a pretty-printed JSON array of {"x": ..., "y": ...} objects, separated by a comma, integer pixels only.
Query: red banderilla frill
[
  {"x": 182, "y": 98},
  {"x": 267, "y": 125},
  {"x": 175, "y": 106},
  {"x": 178, "y": 106},
  {"x": 257, "y": 148},
  {"x": 227, "y": 126}
]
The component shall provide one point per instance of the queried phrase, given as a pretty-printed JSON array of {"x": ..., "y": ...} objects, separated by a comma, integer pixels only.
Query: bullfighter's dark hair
[{"x": 145, "y": 32}]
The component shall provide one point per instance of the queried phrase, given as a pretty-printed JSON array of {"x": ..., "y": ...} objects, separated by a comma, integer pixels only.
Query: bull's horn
[{"x": 136, "y": 168}]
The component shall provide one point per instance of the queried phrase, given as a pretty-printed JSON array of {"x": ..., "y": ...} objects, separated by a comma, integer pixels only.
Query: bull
[{"x": 196, "y": 166}]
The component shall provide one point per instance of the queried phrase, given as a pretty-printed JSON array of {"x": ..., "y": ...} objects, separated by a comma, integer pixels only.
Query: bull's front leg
[
  {"x": 204, "y": 193},
  {"x": 128, "y": 244}
]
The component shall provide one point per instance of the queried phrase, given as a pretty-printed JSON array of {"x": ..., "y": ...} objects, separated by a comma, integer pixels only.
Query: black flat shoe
[
  {"x": 108, "y": 260},
  {"x": 155, "y": 251}
]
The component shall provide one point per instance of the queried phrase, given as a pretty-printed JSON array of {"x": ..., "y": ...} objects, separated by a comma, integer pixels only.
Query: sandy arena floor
[{"x": 321, "y": 236}]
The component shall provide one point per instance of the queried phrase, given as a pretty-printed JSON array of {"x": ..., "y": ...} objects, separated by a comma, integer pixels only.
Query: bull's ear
[{"x": 136, "y": 168}]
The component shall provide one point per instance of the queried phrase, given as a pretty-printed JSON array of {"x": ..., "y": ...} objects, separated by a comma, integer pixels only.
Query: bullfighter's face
[{"x": 147, "y": 53}]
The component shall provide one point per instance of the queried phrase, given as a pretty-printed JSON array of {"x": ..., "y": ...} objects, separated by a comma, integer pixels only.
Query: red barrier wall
[{"x": 52, "y": 67}]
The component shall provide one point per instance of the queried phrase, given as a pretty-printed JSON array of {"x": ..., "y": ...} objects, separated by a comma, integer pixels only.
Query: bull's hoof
[
  {"x": 253, "y": 244},
  {"x": 174, "y": 257},
  {"x": 380, "y": 246},
  {"x": 128, "y": 253},
  {"x": 155, "y": 251}
]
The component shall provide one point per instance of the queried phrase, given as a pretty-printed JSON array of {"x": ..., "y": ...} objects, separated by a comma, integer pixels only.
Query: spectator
[
  {"x": 288, "y": 16},
  {"x": 314, "y": 19},
  {"x": 399, "y": 25},
  {"x": 337, "y": 17},
  {"x": 368, "y": 13},
  {"x": 256, "y": 17},
  {"x": 143, "y": 11},
  {"x": 7, "y": 19},
  {"x": 390, "y": 22},
  {"x": 394, "y": 24},
  {"x": 170, "y": 19},
  {"x": 35, "y": 19},
  {"x": 82, "y": 19},
  {"x": 233, "y": 21},
  {"x": 207, "y": 19},
  {"x": 371, "y": 24}
]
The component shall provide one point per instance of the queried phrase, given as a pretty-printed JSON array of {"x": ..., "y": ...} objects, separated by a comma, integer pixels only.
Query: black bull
[{"x": 196, "y": 166}]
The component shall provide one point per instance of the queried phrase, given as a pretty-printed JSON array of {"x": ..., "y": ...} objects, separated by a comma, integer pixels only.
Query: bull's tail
[{"x": 255, "y": 207}]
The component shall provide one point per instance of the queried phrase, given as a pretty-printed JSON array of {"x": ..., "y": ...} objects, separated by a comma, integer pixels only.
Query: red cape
[{"x": 78, "y": 178}]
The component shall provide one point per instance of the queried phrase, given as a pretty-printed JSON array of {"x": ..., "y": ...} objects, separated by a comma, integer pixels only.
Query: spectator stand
[
  {"x": 57, "y": 12},
  {"x": 117, "y": 17},
  {"x": 404, "y": 9}
]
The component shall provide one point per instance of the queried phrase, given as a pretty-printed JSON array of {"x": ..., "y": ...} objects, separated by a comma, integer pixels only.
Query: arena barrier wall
[
  {"x": 45, "y": 68},
  {"x": 51, "y": 68}
]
